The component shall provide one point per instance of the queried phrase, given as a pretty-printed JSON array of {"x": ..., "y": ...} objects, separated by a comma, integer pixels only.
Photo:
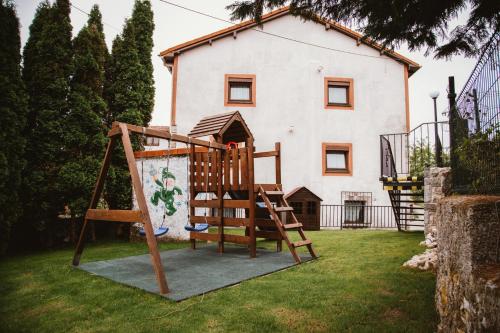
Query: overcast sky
[{"x": 175, "y": 25}]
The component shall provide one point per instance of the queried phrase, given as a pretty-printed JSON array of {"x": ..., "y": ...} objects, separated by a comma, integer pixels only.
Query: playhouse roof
[
  {"x": 169, "y": 53},
  {"x": 223, "y": 127},
  {"x": 299, "y": 189}
]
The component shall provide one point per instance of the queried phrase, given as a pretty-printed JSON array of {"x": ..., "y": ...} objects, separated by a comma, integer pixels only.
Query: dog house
[{"x": 306, "y": 207}]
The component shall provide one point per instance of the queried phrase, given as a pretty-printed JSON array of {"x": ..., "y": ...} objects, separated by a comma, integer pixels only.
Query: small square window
[
  {"x": 337, "y": 159},
  {"x": 339, "y": 93},
  {"x": 239, "y": 90},
  {"x": 152, "y": 141},
  {"x": 297, "y": 207},
  {"x": 311, "y": 208}
]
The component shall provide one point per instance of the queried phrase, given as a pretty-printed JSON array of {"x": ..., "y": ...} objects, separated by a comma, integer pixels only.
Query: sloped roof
[
  {"x": 169, "y": 53},
  {"x": 229, "y": 126},
  {"x": 301, "y": 188}
]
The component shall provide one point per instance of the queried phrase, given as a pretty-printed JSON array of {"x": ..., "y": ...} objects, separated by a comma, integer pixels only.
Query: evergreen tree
[
  {"x": 13, "y": 104},
  {"x": 84, "y": 138},
  {"x": 142, "y": 20},
  {"x": 46, "y": 73},
  {"x": 124, "y": 89}
]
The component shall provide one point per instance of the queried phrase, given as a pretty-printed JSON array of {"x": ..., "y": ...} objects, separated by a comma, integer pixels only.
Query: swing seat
[
  {"x": 158, "y": 232},
  {"x": 197, "y": 227}
]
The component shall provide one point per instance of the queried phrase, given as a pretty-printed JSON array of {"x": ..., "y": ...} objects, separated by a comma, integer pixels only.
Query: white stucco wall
[{"x": 290, "y": 95}]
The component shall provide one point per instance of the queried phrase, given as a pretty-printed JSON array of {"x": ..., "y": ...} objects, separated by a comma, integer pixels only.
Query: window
[
  {"x": 297, "y": 207},
  {"x": 152, "y": 141},
  {"x": 339, "y": 93},
  {"x": 337, "y": 159},
  {"x": 311, "y": 208},
  {"x": 239, "y": 90},
  {"x": 354, "y": 211}
]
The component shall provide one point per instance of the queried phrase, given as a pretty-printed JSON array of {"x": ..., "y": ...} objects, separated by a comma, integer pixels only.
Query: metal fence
[
  {"x": 474, "y": 119},
  {"x": 357, "y": 216},
  {"x": 407, "y": 154}
]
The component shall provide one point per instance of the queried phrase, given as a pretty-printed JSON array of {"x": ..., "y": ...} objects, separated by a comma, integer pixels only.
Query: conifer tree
[
  {"x": 142, "y": 20},
  {"x": 13, "y": 104},
  {"x": 124, "y": 89},
  {"x": 46, "y": 73},
  {"x": 84, "y": 139}
]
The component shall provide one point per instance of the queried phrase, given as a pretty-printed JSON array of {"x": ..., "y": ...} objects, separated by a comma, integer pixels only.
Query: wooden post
[
  {"x": 95, "y": 199},
  {"x": 251, "y": 199},
  {"x": 277, "y": 160},
  {"x": 192, "y": 192},
  {"x": 143, "y": 207},
  {"x": 220, "y": 194}
]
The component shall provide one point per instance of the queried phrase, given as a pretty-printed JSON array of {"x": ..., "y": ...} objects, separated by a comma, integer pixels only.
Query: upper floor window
[
  {"x": 152, "y": 141},
  {"x": 337, "y": 159},
  {"x": 239, "y": 90},
  {"x": 339, "y": 93}
]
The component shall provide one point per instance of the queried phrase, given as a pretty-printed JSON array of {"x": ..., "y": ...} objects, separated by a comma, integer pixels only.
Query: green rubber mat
[{"x": 190, "y": 273}]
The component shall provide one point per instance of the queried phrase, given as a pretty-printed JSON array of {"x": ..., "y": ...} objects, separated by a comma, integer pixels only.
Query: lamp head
[{"x": 434, "y": 94}]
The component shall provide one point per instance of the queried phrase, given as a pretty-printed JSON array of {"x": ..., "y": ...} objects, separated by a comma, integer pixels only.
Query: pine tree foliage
[
  {"x": 84, "y": 139},
  {"x": 124, "y": 91},
  {"x": 13, "y": 108},
  {"x": 46, "y": 73},
  {"x": 142, "y": 20},
  {"x": 418, "y": 23}
]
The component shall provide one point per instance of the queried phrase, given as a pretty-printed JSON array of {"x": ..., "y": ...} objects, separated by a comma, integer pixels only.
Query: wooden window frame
[
  {"x": 311, "y": 207},
  {"x": 155, "y": 142},
  {"x": 297, "y": 205},
  {"x": 342, "y": 81},
  {"x": 345, "y": 147},
  {"x": 228, "y": 78}
]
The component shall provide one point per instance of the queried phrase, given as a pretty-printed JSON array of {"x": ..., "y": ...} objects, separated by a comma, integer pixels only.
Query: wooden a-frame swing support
[{"x": 132, "y": 216}]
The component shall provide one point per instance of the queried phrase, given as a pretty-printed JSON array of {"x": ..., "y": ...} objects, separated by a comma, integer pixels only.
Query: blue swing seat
[
  {"x": 158, "y": 232},
  {"x": 197, "y": 227}
]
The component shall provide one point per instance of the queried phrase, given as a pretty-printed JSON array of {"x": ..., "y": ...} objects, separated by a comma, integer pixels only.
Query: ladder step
[
  {"x": 302, "y": 243},
  {"x": 292, "y": 226},
  {"x": 283, "y": 209},
  {"x": 274, "y": 193}
]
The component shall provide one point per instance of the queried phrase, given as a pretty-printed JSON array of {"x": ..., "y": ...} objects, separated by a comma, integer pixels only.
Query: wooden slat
[
  {"x": 292, "y": 226},
  {"x": 236, "y": 222},
  {"x": 244, "y": 168},
  {"x": 213, "y": 171},
  {"x": 205, "y": 178},
  {"x": 266, "y": 187},
  {"x": 274, "y": 193},
  {"x": 114, "y": 215},
  {"x": 205, "y": 203},
  {"x": 302, "y": 243},
  {"x": 198, "y": 174},
  {"x": 283, "y": 209},
  {"x": 192, "y": 195},
  {"x": 204, "y": 236},
  {"x": 277, "y": 162},
  {"x": 235, "y": 169},
  {"x": 212, "y": 220},
  {"x": 275, "y": 235},
  {"x": 236, "y": 239},
  {"x": 227, "y": 172},
  {"x": 236, "y": 203},
  {"x": 265, "y": 154}
]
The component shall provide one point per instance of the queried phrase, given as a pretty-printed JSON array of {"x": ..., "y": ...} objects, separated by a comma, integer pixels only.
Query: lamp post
[{"x": 437, "y": 144}]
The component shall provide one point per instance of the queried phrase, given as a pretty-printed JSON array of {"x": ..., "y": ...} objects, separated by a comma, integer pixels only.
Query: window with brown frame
[
  {"x": 297, "y": 207},
  {"x": 311, "y": 208},
  {"x": 339, "y": 93},
  {"x": 239, "y": 90},
  {"x": 152, "y": 141},
  {"x": 337, "y": 159}
]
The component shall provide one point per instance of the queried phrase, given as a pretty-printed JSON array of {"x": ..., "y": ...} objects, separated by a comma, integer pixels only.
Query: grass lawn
[{"x": 357, "y": 285}]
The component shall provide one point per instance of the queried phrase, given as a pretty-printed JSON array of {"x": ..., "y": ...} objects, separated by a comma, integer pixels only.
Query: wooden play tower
[{"x": 224, "y": 173}]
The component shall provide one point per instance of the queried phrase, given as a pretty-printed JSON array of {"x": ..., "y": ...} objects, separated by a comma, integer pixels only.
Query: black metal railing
[
  {"x": 357, "y": 216},
  {"x": 475, "y": 126},
  {"x": 407, "y": 154}
]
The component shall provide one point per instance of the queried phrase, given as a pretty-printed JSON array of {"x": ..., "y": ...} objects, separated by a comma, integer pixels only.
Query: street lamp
[{"x": 437, "y": 144}]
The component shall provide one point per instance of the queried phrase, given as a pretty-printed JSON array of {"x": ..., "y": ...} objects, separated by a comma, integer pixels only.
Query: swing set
[{"x": 222, "y": 168}]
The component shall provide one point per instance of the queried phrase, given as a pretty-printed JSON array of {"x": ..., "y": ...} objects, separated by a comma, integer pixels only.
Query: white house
[{"x": 321, "y": 91}]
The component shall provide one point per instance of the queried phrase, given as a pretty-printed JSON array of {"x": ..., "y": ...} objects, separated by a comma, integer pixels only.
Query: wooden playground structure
[{"x": 225, "y": 169}]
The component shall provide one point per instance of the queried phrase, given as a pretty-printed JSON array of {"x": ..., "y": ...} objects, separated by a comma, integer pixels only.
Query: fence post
[{"x": 476, "y": 110}]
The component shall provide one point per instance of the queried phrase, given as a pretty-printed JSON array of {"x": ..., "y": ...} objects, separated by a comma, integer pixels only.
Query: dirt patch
[{"x": 298, "y": 320}]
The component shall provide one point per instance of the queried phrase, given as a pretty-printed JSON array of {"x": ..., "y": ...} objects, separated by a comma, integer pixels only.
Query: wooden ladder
[{"x": 283, "y": 227}]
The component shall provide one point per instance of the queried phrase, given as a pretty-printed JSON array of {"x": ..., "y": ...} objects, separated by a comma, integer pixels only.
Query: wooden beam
[
  {"x": 236, "y": 222},
  {"x": 236, "y": 203},
  {"x": 204, "y": 236},
  {"x": 237, "y": 239},
  {"x": 131, "y": 216},
  {"x": 251, "y": 199},
  {"x": 205, "y": 203},
  {"x": 265, "y": 154},
  {"x": 95, "y": 199},
  {"x": 212, "y": 220},
  {"x": 141, "y": 202}
]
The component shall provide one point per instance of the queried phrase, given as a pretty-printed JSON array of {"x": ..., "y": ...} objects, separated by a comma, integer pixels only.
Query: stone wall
[
  {"x": 468, "y": 270},
  {"x": 437, "y": 185}
]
